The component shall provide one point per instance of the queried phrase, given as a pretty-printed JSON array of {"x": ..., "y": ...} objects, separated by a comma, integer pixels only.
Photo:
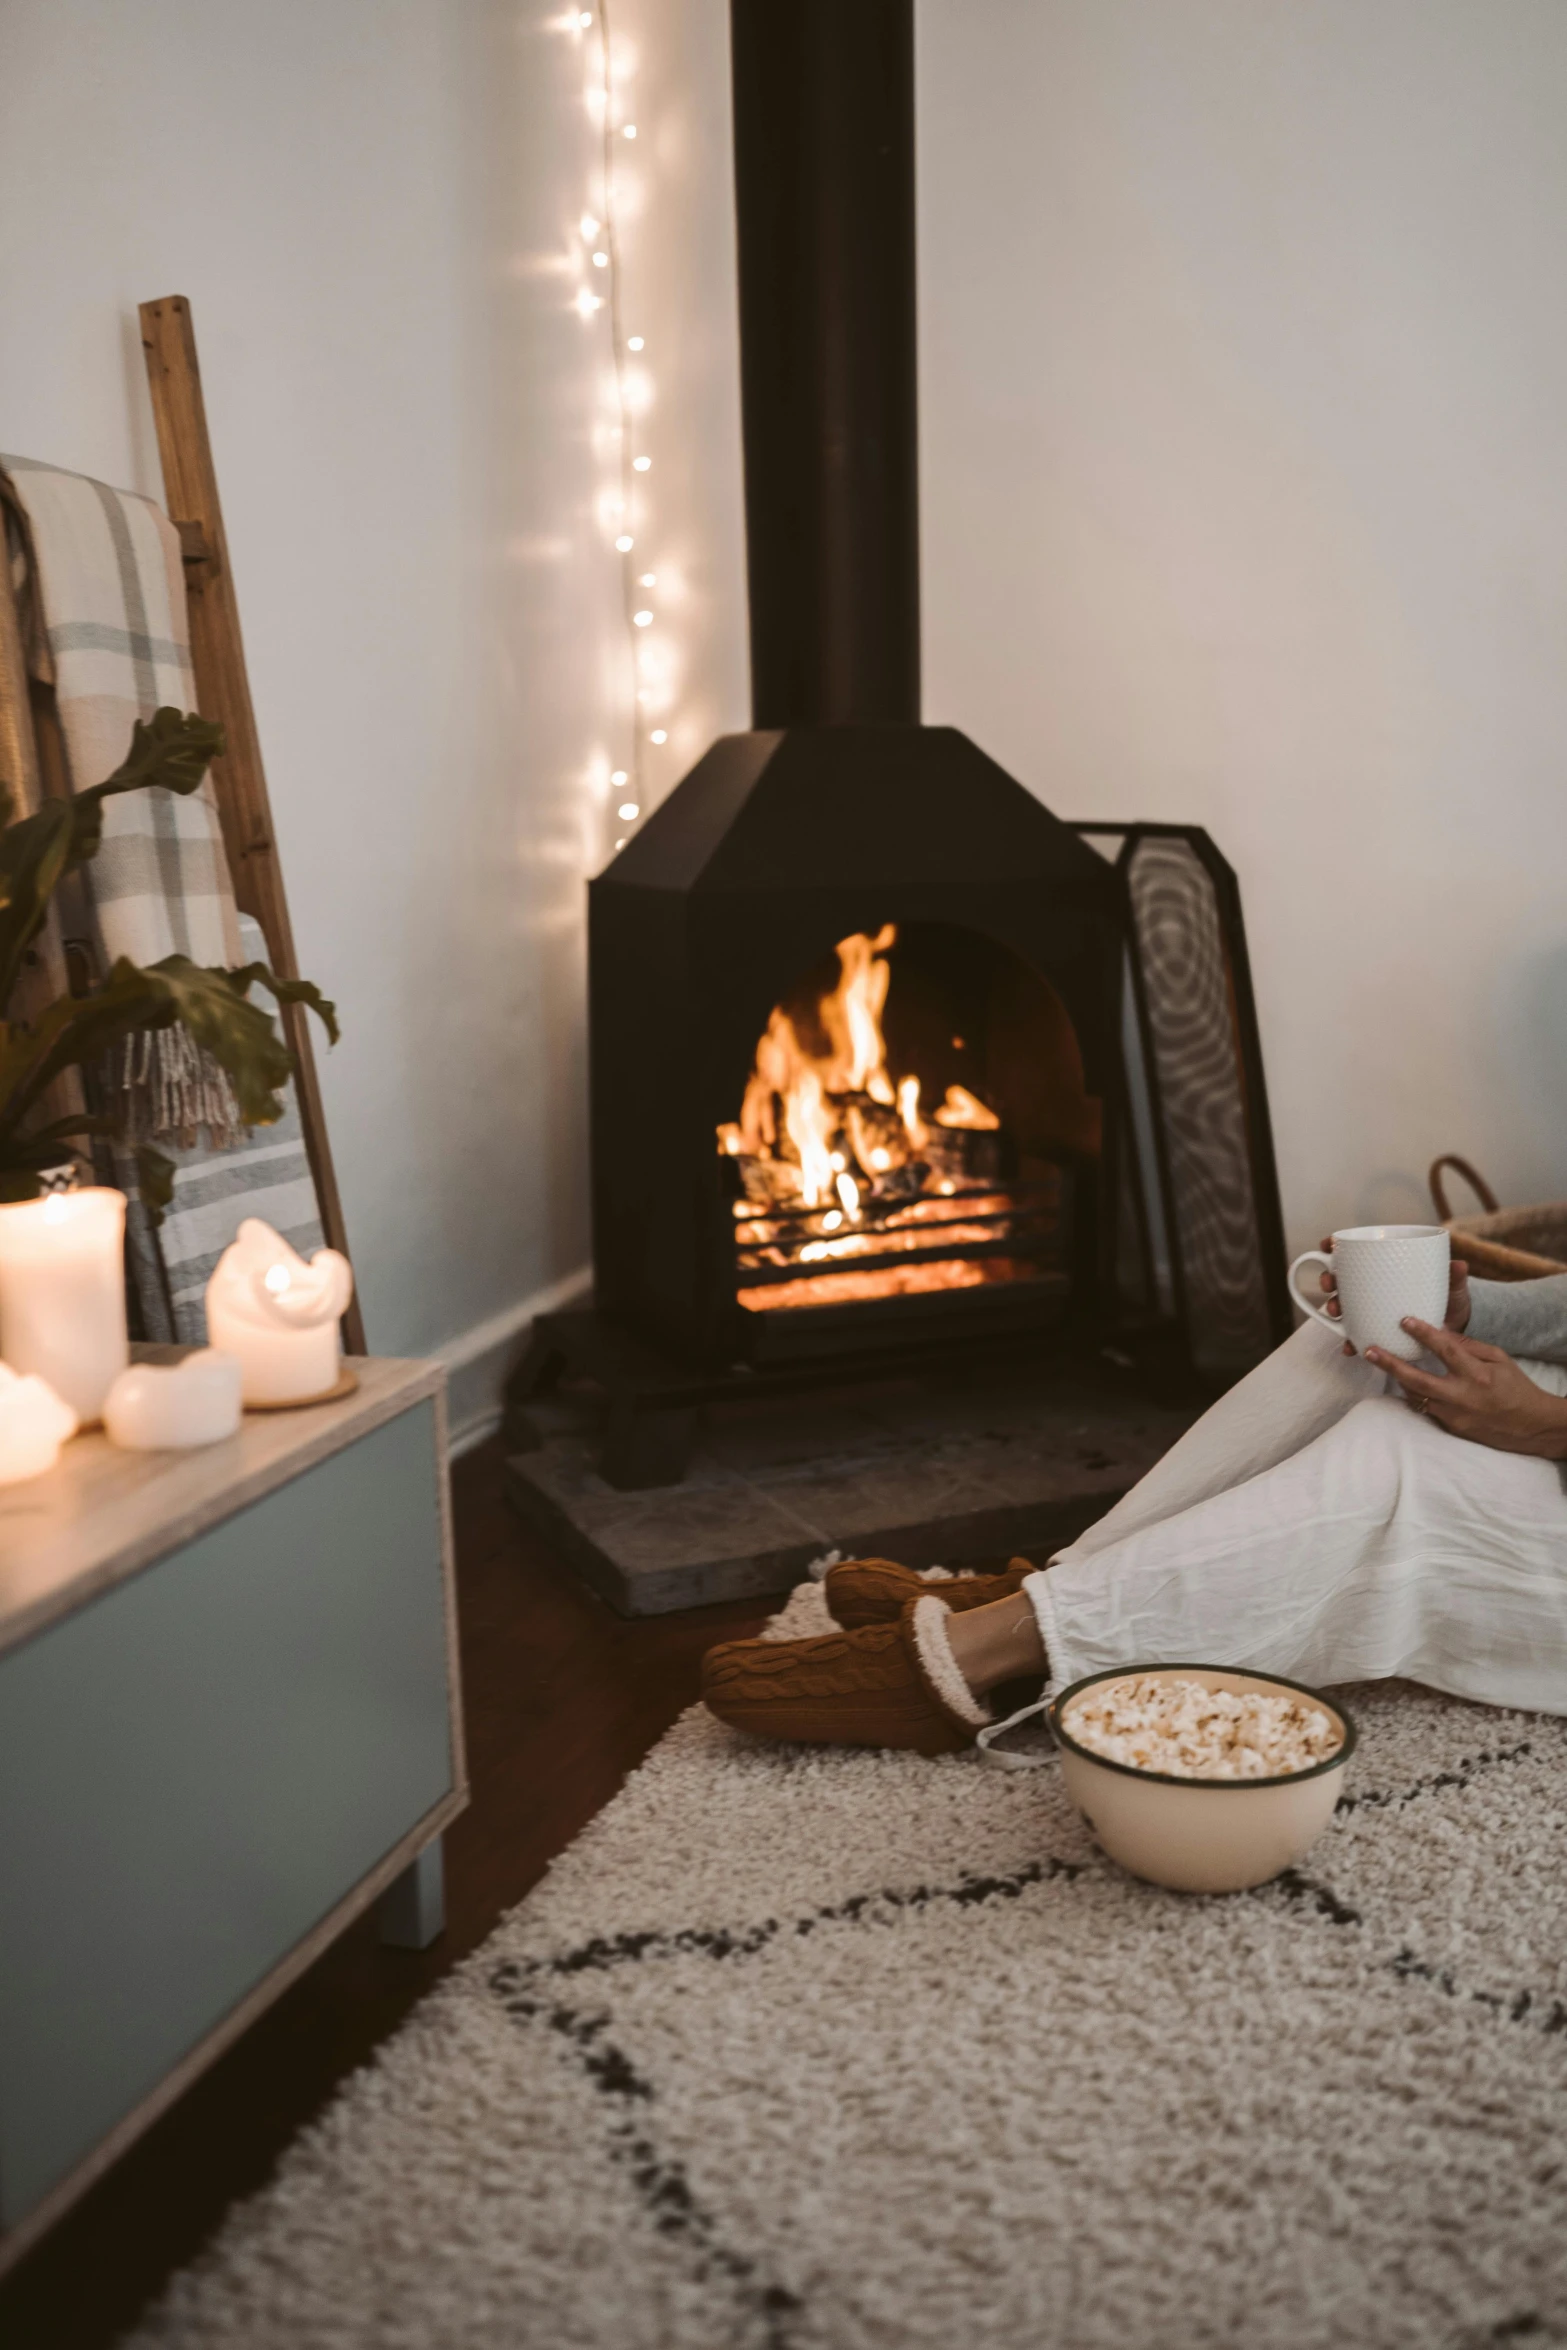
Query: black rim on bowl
[{"x": 1329, "y": 1762}]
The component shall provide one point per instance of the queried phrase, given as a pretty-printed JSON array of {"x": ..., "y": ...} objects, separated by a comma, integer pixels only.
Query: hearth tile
[
  {"x": 844, "y": 1499},
  {"x": 1076, "y": 1461},
  {"x": 792, "y": 1431},
  {"x": 575, "y": 1481}
]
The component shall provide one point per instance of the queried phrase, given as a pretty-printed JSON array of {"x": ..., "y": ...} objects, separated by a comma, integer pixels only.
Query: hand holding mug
[
  {"x": 1459, "y": 1303},
  {"x": 1384, "y": 1275}
]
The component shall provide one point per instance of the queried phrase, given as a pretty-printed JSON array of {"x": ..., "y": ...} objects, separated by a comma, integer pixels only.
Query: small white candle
[
  {"x": 62, "y": 1293},
  {"x": 34, "y": 1423},
  {"x": 158, "y": 1407},
  {"x": 278, "y": 1314}
]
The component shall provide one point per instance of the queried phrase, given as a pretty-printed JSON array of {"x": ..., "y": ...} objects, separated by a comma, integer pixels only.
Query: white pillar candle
[
  {"x": 34, "y": 1423},
  {"x": 279, "y": 1315},
  {"x": 62, "y": 1293},
  {"x": 158, "y": 1407}
]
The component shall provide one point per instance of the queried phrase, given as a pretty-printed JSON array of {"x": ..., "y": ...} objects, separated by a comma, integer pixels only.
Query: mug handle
[{"x": 1314, "y": 1256}]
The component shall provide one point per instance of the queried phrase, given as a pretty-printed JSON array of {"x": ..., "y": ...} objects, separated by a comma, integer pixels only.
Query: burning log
[
  {"x": 875, "y": 1135},
  {"x": 770, "y": 1183},
  {"x": 962, "y": 1154}
]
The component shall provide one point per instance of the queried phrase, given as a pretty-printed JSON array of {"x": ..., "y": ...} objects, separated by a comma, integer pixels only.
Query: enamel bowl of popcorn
[{"x": 1199, "y": 1778}]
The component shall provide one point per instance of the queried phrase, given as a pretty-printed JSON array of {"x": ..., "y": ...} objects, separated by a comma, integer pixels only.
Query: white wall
[
  {"x": 373, "y": 209},
  {"x": 1244, "y": 423}
]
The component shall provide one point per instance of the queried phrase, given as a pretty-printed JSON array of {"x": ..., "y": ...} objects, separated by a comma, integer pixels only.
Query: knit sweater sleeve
[{"x": 1525, "y": 1317}]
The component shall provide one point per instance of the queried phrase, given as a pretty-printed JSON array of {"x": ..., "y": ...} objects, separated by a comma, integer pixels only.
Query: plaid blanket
[
  {"x": 112, "y": 587},
  {"x": 108, "y": 590}
]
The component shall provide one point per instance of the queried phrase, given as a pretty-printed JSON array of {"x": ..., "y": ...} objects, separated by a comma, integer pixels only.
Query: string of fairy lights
[{"x": 625, "y": 507}]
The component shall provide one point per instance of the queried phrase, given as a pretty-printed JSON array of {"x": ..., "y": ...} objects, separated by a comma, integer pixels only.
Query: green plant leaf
[
  {"x": 214, "y": 1005},
  {"x": 173, "y": 749},
  {"x": 288, "y": 991},
  {"x": 170, "y": 751}
]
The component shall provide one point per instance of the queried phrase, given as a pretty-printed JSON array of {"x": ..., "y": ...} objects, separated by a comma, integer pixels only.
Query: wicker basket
[{"x": 1501, "y": 1244}]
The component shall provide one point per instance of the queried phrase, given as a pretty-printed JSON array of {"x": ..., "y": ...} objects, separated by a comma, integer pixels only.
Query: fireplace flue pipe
[{"x": 824, "y": 191}]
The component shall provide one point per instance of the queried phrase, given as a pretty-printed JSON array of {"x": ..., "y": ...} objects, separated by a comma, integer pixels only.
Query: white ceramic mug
[{"x": 1383, "y": 1271}]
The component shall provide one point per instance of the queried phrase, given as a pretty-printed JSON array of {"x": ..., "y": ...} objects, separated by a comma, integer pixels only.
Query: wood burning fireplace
[
  {"x": 874, "y": 1037},
  {"x": 855, "y": 1018},
  {"x": 886, "y": 1060}
]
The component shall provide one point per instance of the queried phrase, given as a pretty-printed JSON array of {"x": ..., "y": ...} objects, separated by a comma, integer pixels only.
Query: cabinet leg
[{"x": 412, "y": 1910}]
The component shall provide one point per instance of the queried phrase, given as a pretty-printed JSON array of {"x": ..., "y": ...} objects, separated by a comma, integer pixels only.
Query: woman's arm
[{"x": 1525, "y": 1317}]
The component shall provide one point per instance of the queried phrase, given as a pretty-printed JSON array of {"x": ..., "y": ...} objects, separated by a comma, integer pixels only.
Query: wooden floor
[{"x": 562, "y": 1699}]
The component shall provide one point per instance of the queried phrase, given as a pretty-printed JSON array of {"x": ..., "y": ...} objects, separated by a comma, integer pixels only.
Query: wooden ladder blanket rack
[{"x": 190, "y": 486}]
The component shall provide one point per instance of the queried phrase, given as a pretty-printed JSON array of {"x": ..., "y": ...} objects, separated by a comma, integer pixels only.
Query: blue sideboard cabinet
[{"x": 229, "y": 1721}]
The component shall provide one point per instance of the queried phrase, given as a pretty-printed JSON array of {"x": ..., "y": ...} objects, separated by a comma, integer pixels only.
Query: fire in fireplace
[{"x": 862, "y": 1165}]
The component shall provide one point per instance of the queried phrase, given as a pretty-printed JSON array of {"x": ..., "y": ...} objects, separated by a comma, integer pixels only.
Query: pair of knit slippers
[{"x": 887, "y": 1677}]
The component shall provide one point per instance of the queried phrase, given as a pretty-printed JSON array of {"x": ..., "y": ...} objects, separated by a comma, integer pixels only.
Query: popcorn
[{"x": 1190, "y": 1732}]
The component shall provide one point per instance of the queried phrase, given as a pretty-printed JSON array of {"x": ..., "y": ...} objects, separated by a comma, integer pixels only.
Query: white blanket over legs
[{"x": 1312, "y": 1525}]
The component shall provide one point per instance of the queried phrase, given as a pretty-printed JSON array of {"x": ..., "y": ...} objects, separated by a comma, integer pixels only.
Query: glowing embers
[
  {"x": 864, "y": 1286},
  {"x": 843, "y": 1173}
]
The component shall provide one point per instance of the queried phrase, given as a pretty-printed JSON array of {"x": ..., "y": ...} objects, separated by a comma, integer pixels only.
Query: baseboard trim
[{"x": 482, "y": 1416}]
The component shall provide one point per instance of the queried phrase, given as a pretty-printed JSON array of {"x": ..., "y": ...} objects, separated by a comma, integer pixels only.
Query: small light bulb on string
[{"x": 632, "y": 395}]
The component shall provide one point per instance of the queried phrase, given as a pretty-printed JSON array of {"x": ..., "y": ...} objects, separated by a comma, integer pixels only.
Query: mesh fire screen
[{"x": 1207, "y": 1218}]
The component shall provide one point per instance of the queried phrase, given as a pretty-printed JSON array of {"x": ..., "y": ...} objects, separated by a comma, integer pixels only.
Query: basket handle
[{"x": 1476, "y": 1182}]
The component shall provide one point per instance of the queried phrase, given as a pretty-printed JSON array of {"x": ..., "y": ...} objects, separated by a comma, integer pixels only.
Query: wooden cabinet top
[{"x": 103, "y": 1513}]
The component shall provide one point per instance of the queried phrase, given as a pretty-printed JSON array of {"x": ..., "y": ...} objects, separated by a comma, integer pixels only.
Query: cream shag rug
[{"x": 805, "y": 2050}]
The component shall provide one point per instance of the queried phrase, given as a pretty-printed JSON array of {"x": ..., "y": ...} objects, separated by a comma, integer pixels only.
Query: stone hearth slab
[{"x": 931, "y": 1470}]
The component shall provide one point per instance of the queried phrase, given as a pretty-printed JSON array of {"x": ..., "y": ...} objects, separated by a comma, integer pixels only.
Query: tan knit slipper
[
  {"x": 873, "y": 1591},
  {"x": 888, "y": 1684}
]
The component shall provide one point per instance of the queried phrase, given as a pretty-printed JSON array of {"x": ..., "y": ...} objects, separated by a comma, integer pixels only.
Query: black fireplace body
[{"x": 775, "y": 847}]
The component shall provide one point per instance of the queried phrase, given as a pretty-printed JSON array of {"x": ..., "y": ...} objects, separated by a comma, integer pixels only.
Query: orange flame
[
  {"x": 786, "y": 1073},
  {"x": 961, "y": 1109},
  {"x": 852, "y": 1016},
  {"x": 814, "y": 1109},
  {"x": 809, "y": 1122}
]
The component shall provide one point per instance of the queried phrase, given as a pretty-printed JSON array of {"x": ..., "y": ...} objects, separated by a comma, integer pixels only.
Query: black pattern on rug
[{"x": 663, "y": 2185}]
